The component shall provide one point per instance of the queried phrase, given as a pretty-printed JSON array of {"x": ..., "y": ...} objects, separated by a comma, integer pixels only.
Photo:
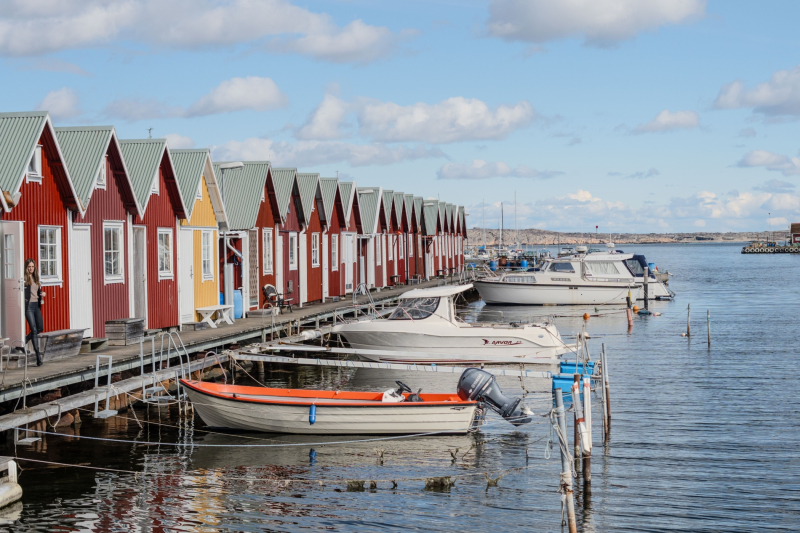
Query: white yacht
[
  {"x": 656, "y": 289},
  {"x": 424, "y": 328}
]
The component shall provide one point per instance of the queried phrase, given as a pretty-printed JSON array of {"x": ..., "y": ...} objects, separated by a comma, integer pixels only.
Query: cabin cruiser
[
  {"x": 582, "y": 278},
  {"x": 424, "y": 328},
  {"x": 656, "y": 289}
]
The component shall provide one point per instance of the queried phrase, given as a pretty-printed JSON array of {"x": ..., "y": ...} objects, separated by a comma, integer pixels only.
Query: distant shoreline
[{"x": 538, "y": 237}]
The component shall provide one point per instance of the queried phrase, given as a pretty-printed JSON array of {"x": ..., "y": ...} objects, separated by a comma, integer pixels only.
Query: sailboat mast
[
  {"x": 501, "y": 225},
  {"x": 483, "y": 222},
  {"x": 516, "y": 230}
]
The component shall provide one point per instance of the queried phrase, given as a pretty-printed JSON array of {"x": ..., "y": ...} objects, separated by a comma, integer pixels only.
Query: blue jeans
[{"x": 33, "y": 314}]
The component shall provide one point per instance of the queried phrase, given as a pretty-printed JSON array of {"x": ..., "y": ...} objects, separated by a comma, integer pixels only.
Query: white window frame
[
  {"x": 263, "y": 194},
  {"x": 315, "y": 250},
  {"x": 207, "y": 234},
  {"x": 335, "y": 251},
  {"x": 401, "y": 248},
  {"x": 164, "y": 274},
  {"x": 378, "y": 254},
  {"x": 9, "y": 253},
  {"x": 293, "y": 251},
  {"x": 267, "y": 251},
  {"x": 102, "y": 175},
  {"x": 34, "y": 169},
  {"x": 56, "y": 279},
  {"x": 410, "y": 243},
  {"x": 114, "y": 278},
  {"x": 390, "y": 248},
  {"x": 155, "y": 189}
]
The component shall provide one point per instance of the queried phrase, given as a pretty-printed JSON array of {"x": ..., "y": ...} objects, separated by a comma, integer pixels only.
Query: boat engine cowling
[{"x": 477, "y": 384}]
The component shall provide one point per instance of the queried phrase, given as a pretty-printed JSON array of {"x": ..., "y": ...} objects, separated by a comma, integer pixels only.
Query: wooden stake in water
[
  {"x": 607, "y": 391},
  {"x": 708, "y": 322},
  {"x": 689, "y": 320},
  {"x": 587, "y": 415},
  {"x": 645, "y": 284},
  {"x": 566, "y": 470},
  {"x": 603, "y": 393}
]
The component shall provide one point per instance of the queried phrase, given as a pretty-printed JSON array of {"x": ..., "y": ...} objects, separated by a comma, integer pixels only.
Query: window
[
  {"x": 199, "y": 195},
  {"x": 334, "y": 252},
  {"x": 207, "y": 257},
  {"x": 100, "y": 182},
  {"x": 520, "y": 279},
  {"x": 315, "y": 249},
  {"x": 164, "y": 253},
  {"x": 411, "y": 246},
  {"x": 390, "y": 248},
  {"x": 112, "y": 252},
  {"x": 378, "y": 249},
  {"x": 561, "y": 267},
  {"x": 263, "y": 195},
  {"x": 293, "y": 251},
  {"x": 154, "y": 188},
  {"x": 400, "y": 246},
  {"x": 50, "y": 254},
  {"x": 8, "y": 257},
  {"x": 602, "y": 268},
  {"x": 414, "y": 308},
  {"x": 35, "y": 165},
  {"x": 266, "y": 250}
]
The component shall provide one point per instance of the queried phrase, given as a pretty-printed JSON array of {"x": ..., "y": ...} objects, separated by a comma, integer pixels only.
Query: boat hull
[
  {"x": 544, "y": 294},
  {"x": 380, "y": 419}
]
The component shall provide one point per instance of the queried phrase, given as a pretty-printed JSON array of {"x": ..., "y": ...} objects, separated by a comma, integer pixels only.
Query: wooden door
[
  {"x": 253, "y": 275},
  {"x": 186, "y": 275}
]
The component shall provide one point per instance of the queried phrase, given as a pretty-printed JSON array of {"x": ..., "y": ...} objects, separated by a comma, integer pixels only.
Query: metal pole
[
  {"x": 607, "y": 391},
  {"x": 566, "y": 470},
  {"x": 587, "y": 456},
  {"x": 583, "y": 445},
  {"x": 644, "y": 286},
  {"x": 688, "y": 320},
  {"x": 603, "y": 393},
  {"x": 708, "y": 322}
]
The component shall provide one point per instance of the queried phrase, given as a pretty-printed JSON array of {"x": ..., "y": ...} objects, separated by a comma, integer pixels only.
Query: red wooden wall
[
  {"x": 314, "y": 273},
  {"x": 292, "y": 225},
  {"x": 336, "y": 227},
  {"x": 266, "y": 219},
  {"x": 355, "y": 227}
]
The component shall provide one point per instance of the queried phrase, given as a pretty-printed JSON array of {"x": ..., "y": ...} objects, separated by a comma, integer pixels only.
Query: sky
[{"x": 631, "y": 115}]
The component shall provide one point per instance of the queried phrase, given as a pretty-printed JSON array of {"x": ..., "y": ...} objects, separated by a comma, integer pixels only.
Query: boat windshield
[
  {"x": 414, "y": 308},
  {"x": 561, "y": 267}
]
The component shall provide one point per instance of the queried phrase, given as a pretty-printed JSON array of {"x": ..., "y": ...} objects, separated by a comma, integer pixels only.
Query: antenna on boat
[
  {"x": 483, "y": 223},
  {"x": 501, "y": 226},
  {"x": 516, "y": 230}
]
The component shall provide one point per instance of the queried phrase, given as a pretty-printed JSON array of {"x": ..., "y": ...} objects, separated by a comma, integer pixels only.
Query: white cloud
[
  {"x": 776, "y": 186},
  {"x": 62, "y": 104},
  {"x": 177, "y": 141},
  {"x": 312, "y": 153},
  {"x": 237, "y": 94},
  {"x": 480, "y": 170},
  {"x": 452, "y": 120},
  {"x": 700, "y": 223},
  {"x": 326, "y": 121},
  {"x": 668, "y": 121},
  {"x": 788, "y": 166},
  {"x": 277, "y": 25},
  {"x": 601, "y": 23},
  {"x": 644, "y": 174},
  {"x": 778, "y": 96}
]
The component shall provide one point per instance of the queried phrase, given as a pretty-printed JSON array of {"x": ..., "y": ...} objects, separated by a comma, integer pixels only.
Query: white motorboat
[
  {"x": 424, "y": 328},
  {"x": 656, "y": 289},
  {"x": 321, "y": 412}
]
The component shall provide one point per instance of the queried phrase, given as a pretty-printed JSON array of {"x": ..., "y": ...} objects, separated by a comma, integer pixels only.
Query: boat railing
[{"x": 363, "y": 289}]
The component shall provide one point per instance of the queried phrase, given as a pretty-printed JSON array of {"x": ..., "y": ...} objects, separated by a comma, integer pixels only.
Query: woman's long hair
[{"x": 31, "y": 277}]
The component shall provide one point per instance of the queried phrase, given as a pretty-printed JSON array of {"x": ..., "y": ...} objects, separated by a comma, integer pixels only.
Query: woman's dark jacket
[{"x": 28, "y": 295}]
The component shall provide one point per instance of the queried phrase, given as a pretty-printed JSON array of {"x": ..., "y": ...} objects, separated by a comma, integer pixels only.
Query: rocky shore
[{"x": 545, "y": 237}]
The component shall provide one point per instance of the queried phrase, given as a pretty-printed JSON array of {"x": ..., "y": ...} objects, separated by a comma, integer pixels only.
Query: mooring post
[
  {"x": 582, "y": 445},
  {"x": 566, "y": 470},
  {"x": 708, "y": 322},
  {"x": 645, "y": 287},
  {"x": 604, "y": 366},
  {"x": 587, "y": 409},
  {"x": 688, "y": 320},
  {"x": 603, "y": 391},
  {"x": 630, "y": 317}
]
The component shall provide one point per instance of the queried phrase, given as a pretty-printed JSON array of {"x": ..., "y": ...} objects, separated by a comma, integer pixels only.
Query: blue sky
[{"x": 634, "y": 115}]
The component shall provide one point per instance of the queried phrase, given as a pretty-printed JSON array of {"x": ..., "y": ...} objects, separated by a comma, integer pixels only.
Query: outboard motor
[{"x": 477, "y": 384}]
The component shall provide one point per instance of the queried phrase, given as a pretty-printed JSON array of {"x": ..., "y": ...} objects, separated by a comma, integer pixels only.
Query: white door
[
  {"x": 186, "y": 275},
  {"x": 303, "y": 266},
  {"x": 13, "y": 293},
  {"x": 371, "y": 262},
  {"x": 80, "y": 282},
  {"x": 348, "y": 258},
  {"x": 140, "y": 273},
  {"x": 324, "y": 266},
  {"x": 277, "y": 262}
]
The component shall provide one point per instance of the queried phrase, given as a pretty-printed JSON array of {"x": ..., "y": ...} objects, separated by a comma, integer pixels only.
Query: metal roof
[
  {"x": 242, "y": 190},
  {"x": 329, "y": 187},
  {"x": 368, "y": 204},
  {"x": 418, "y": 210},
  {"x": 408, "y": 200},
  {"x": 388, "y": 200},
  {"x": 448, "y": 209},
  {"x": 283, "y": 179},
  {"x": 442, "y": 216},
  {"x": 347, "y": 191},
  {"x": 190, "y": 167},
  {"x": 84, "y": 151},
  {"x": 398, "y": 206},
  {"x": 437, "y": 292},
  {"x": 143, "y": 158},
  {"x": 430, "y": 212},
  {"x": 461, "y": 219},
  {"x": 307, "y": 184}
]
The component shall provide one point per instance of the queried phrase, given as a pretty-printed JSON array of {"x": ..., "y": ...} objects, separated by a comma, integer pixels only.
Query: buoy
[
  {"x": 635, "y": 308},
  {"x": 683, "y": 334},
  {"x": 586, "y": 316},
  {"x": 312, "y": 414}
]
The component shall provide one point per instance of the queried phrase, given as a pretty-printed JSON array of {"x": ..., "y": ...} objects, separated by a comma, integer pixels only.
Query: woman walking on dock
[{"x": 33, "y": 311}]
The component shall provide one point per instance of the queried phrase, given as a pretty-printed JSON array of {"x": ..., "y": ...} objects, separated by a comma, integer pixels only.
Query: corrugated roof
[
  {"x": 329, "y": 187},
  {"x": 398, "y": 206},
  {"x": 387, "y": 201},
  {"x": 430, "y": 212},
  {"x": 418, "y": 210},
  {"x": 346, "y": 190},
  {"x": 242, "y": 191},
  {"x": 307, "y": 184},
  {"x": 442, "y": 217},
  {"x": 143, "y": 157},
  {"x": 283, "y": 179},
  {"x": 462, "y": 219},
  {"x": 448, "y": 210},
  {"x": 19, "y": 133},
  {"x": 368, "y": 204},
  {"x": 84, "y": 150},
  {"x": 190, "y": 166},
  {"x": 408, "y": 201}
]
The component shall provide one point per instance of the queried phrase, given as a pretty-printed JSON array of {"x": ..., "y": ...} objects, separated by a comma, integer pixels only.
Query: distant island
[{"x": 545, "y": 237}]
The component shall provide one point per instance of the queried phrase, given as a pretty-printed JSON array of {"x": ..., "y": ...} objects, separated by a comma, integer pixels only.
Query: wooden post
[
  {"x": 689, "y": 320},
  {"x": 582, "y": 437},
  {"x": 630, "y": 317},
  {"x": 587, "y": 415},
  {"x": 566, "y": 470},
  {"x": 603, "y": 393},
  {"x": 607, "y": 390},
  {"x": 708, "y": 322},
  {"x": 645, "y": 287}
]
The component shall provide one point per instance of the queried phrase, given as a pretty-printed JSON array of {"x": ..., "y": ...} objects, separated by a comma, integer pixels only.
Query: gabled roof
[
  {"x": 408, "y": 200},
  {"x": 448, "y": 211},
  {"x": 283, "y": 179},
  {"x": 190, "y": 167},
  {"x": 347, "y": 190},
  {"x": 329, "y": 188},
  {"x": 85, "y": 149},
  {"x": 462, "y": 220},
  {"x": 143, "y": 158},
  {"x": 242, "y": 189},
  {"x": 19, "y": 135},
  {"x": 418, "y": 210},
  {"x": 308, "y": 185},
  {"x": 398, "y": 206},
  {"x": 442, "y": 217},
  {"x": 369, "y": 202},
  {"x": 430, "y": 215},
  {"x": 387, "y": 202}
]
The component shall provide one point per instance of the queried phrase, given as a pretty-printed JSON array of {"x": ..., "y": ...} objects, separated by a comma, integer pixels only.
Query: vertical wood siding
[
  {"x": 266, "y": 219},
  {"x": 335, "y": 227},
  {"x": 109, "y": 301},
  {"x": 44, "y": 205},
  {"x": 206, "y": 292},
  {"x": 314, "y": 273},
  {"x": 162, "y": 295},
  {"x": 292, "y": 224}
]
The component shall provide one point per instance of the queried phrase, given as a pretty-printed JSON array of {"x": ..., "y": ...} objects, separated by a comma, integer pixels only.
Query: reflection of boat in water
[{"x": 424, "y": 328}]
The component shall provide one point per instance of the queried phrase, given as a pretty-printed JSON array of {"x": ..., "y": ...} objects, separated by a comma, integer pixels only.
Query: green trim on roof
[
  {"x": 19, "y": 134},
  {"x": 368, "y": 205},
  {"x": 430, "y": 214},
  {"x": 283, "y": 179},
  {"x": 143, "y": 157},
  {"x": 418, "y": 210},
  {"x": 84, "y": 150},
  {"x": 307, "y": 184},
  {"x": 408, "y": 200},
  {"x": 349, "y": 197},
  {"x": 329, "y": 188},
  {"x": 387, "y": 200},
  {"x": 189, "y": 165},
  {"x": 243, "y": 192}
]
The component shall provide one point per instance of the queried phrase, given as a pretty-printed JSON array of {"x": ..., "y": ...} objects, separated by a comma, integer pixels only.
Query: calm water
[{"x": 703, "y": 439}]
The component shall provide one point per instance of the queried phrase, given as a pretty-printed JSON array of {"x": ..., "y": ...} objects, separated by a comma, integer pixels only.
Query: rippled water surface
[{"x": 702, "y": 438}]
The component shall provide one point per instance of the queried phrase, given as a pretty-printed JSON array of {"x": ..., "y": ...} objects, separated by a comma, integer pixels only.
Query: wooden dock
[{"x": 81, "y": 368}]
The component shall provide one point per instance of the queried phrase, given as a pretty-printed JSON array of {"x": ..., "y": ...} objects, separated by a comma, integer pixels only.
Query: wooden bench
[
  {"x": 223, "y": 312},
  {"x": 124, "y": 331},
  {"x": 93, "y": 343},
  {"x": 53, "y": 345}
]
